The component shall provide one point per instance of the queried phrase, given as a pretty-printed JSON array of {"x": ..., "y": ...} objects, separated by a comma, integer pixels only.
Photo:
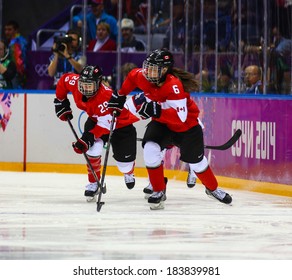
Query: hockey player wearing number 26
[
  {"x": 174, "y": 122},
  {"x": 92, "y": 95}
]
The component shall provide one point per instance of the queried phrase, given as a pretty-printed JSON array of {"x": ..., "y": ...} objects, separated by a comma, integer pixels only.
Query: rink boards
[{"x": 33, "y": 139}]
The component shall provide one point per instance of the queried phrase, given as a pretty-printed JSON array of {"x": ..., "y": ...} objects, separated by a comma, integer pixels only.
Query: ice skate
[
  {"x": 156, "y": 200},
  {"x": 192, "y": 179},
  {"x": 219, "y": 195},
  {"x": 91, "y": 192},
  {"x": 149, "y": 189},
  {"x": 129, "y": 180}
]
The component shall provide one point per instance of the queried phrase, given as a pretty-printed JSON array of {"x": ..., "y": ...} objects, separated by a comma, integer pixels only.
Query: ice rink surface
[{"x": 44, "y": 216}]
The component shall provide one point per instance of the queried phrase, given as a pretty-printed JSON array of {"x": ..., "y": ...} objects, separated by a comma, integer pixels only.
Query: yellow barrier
[{"x": 226, "y": 182}]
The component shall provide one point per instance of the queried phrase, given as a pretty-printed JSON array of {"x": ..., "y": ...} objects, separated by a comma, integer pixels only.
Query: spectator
[
  {"x": 253, "y": 79},
  {"x": 129, "y": 8},
  {"x": 252, "y": 54},
  {"x": 224, "y": 81},
  {"x": 206, "y": 83},
  {"x": 129, "y": 42},
  {"x": 111, "y": 80},
  {"x": 223, "y": 23},
  {"x": 66, "y": 56},
  {"x": 160, "y": 11},
  {"x": 251, "y": 20},
  {"x": 178, "y": 26},
  {"x": 159, "y": 16},
  {"x": 103, "y": 42},
  {"x": 95, "y": 16},
  {"x": 17, "y": 48},
  {"x": 141, "y": 16},
  {"x": 226, "y": 78},
  {"x": 126, "y": 68},
  {"x": 7, "y": 68},
  {"x": 281, "y": 61}
]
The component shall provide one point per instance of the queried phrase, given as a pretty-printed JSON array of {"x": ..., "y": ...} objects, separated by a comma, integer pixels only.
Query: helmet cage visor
[
  {"x": 152, "y": 72},
  {"x": 87, "y": 88}
]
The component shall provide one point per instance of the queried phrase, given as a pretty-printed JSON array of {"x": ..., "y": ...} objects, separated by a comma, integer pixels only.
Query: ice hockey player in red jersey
[
  {"x": 92, "y": 95},
  {"x": 133, "y": 104},
  {"x": 174, "y": 122}
]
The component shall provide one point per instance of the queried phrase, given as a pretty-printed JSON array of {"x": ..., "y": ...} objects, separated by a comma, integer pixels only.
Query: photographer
[{"x": 66, "y": 58}]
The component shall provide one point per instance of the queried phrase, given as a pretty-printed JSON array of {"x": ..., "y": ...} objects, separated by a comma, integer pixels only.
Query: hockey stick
[
  {"x": 228, "y": 144},
  {"x": 99, "y": 203},
  {"x": 99, "y": 186},
  {"x": 224, "y": 146}
]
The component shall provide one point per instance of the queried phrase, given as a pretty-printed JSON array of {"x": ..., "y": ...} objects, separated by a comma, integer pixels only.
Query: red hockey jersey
[
  {"x": 96, "y": 106},
  {"x": 179, "y": 112}
]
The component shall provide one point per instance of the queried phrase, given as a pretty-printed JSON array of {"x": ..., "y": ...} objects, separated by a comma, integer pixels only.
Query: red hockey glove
[{"x": 84, "y": 143}]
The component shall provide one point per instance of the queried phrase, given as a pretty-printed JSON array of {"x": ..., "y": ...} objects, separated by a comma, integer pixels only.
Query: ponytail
[{"x": 188, "y": 79}]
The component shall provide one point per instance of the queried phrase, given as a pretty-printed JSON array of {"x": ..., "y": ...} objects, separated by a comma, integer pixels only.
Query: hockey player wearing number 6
[
  {"x": 91, "y": 95},
  {"x": 174, "y": 122}
]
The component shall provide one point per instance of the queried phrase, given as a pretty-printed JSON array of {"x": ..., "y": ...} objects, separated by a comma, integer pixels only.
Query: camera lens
[{"x": 61, "y": 47}]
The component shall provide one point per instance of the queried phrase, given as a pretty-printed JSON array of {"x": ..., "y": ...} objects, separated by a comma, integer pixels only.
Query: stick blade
[
  {"x": 228, "y": 144},
  {"x": 99, "y": 205},
  {"x": 232, "y": 140},
  {"x": 238, "y": 133}
]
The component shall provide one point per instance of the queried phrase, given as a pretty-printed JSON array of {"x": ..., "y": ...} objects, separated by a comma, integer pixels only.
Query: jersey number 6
[{"x": 175, "y": 89}]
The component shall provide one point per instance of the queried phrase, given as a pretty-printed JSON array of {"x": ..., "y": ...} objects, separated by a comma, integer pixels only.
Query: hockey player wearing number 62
[
  {"x": 91, "y": 95},
  {"x": 174, "y": 122}
]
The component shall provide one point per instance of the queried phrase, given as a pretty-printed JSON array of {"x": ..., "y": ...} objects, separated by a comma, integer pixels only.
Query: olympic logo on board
[{"x": 41, "y": 70}]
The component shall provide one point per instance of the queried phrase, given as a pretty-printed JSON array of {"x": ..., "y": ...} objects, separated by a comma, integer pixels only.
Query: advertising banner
[
  {"x": 31, "y": 131},
  {"x": 263, "y": 152}
]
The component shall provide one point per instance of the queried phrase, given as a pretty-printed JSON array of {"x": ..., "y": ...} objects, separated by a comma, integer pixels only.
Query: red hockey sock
[
  {"x": 96, "y": 165},
  {"x": 156, "y": 177},
  {"x": 208, "y": 179}
]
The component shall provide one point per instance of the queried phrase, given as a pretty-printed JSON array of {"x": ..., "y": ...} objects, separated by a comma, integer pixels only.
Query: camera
[{"x": 60, "y": 41}]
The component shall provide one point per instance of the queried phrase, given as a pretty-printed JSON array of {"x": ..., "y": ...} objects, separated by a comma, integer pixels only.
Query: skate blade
[
  {"x": 91, "y": 198},
  {"x": 99, "y": 205},
  {"x": 157, "y": 206}
]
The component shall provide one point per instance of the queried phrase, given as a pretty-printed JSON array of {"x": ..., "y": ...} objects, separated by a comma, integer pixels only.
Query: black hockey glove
[
  {"x": 116, "y": 103},
  {"x": 84, "y": 143},
  {"x": 63, "y": 110},
  {"x": 150, "y": 109}
]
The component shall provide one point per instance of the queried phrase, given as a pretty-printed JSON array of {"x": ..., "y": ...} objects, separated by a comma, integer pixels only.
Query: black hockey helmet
[
  {"x": 89, "y": 80},
  {"x": 156, "y": 61}
]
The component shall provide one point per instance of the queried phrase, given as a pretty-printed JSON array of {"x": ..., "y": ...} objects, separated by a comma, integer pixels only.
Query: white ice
[{"x": 44, "y": 216}]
